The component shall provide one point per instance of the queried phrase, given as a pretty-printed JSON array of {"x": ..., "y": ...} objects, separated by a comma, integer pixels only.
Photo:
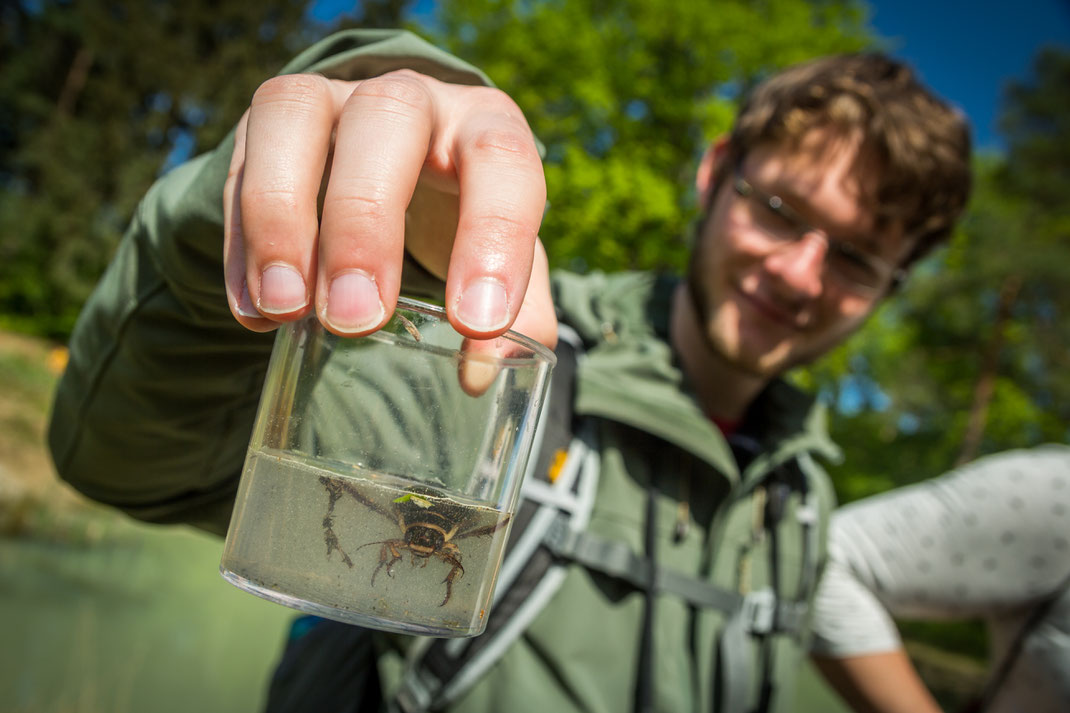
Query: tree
[
  {"x": 98, "y": 98},
  {"x": 626, "y": 95}
]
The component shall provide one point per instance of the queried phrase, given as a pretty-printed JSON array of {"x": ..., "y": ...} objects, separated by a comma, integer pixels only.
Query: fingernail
[
  {"x": 245, "y": 306},
  {"x": 483, "y": 306},
  {"x": 282, "y": 290},
  {"x": 353, "y": 303}
]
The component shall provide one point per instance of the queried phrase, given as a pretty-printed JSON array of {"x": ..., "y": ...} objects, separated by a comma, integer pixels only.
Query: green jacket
[{"x": 156, "y": 407}]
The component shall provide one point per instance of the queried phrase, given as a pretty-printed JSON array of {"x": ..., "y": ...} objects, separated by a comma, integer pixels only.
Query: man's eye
[{"x": 853, "y": 264}]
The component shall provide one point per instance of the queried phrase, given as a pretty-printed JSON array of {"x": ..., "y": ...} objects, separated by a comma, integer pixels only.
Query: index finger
[{"x": 381, "y": 144}]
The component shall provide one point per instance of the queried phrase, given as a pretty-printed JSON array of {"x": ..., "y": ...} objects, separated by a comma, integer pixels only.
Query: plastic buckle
[
  {"x": 759, "y": 611},
  {"x": 806, "y": 514},
  {"x": 415, "y": 694}
]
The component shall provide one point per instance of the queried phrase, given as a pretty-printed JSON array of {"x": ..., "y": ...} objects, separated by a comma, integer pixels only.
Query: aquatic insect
[{"x": 428, "y": 527}]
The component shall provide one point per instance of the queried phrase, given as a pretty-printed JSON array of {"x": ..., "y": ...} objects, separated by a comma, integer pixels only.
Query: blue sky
[{"x": 966, "y": 51}]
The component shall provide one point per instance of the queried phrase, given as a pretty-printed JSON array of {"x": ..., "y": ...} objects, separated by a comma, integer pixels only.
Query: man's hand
[{"x": 400, "y": 162}]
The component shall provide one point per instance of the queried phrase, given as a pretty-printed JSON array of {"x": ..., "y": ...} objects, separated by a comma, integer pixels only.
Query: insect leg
[
  {"x": 329, "y": 536},
  {"x": 449, "y": 558},
  {"x": 364, "y": 499},
  {"x": 392, "y": 546},
  {"x": 483, "y": 531}
]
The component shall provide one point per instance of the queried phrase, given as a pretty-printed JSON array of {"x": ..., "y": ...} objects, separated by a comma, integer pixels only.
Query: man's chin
[
  {"x": 751, "y": 360},
  {"x": 765, "y": 366}
]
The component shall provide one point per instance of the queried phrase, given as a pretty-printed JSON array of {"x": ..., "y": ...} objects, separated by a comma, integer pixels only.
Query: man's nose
[{"x": 800, "y": 264}]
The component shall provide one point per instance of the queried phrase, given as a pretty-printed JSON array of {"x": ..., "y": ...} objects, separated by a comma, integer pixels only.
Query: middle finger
[{"x": 380, "y": 149}]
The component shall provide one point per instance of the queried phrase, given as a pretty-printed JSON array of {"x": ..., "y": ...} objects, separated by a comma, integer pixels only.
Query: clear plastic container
[{"x": 384, "y": 471}]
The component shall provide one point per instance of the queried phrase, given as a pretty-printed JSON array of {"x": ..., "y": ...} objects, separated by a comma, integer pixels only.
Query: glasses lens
[{"x": 853, "y": 267}]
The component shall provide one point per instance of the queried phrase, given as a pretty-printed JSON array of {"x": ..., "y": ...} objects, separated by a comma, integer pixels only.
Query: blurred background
[{"x": 98, "y": 98}]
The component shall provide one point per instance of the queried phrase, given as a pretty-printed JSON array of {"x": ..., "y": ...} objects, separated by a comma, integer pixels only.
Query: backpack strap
[
  {"x": 767, "y": 611},
  {"x": 619, "y": 561}
]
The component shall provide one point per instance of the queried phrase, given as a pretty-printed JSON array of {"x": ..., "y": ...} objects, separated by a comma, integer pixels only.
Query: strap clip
[{"x": 759, "y": 611}]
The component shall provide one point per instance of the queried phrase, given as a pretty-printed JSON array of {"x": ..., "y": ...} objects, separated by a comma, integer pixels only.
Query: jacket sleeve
[{"x": 155, "y": 409}]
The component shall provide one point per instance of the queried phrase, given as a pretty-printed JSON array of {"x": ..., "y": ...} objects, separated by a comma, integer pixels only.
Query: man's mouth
[{"x": 771, "y": 311}]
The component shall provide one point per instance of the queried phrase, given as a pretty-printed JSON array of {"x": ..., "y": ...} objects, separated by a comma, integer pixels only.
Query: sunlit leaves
[{"x": 625, "y": 96}]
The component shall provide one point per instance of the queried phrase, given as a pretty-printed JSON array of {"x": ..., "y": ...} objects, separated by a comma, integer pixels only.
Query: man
[{"x": 836, "y": 177}]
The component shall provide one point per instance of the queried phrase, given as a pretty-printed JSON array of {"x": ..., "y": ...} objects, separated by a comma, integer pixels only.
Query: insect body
[{"x": 428, "y": 527}]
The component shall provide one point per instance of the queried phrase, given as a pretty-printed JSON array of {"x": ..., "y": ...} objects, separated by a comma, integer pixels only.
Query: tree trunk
[
  {"x": 75, "y": 81},
  {"x": 986, "y": 380}
]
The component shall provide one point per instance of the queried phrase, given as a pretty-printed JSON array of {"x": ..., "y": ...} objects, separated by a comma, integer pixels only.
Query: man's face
[{"x": 763, "y": 305}]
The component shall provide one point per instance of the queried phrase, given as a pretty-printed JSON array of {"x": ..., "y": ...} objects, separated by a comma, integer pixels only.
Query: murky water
[{"x": 363, "y": 547}]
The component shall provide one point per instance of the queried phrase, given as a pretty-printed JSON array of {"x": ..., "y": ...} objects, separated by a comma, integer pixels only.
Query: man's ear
[{"x": 707, "y": 169}]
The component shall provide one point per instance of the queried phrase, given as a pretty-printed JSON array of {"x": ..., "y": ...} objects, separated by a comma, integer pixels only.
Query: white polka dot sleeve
[{"x": 986, "y": 540}]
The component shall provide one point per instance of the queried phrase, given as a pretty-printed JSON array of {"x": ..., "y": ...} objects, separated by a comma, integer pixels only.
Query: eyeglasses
[{"x": 851, "y": 267}]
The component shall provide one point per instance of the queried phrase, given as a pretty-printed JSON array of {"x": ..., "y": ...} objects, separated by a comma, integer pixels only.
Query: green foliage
[
  {"x": 968, "y": 638},
  {"x": 94, "y": 97},
  {"x": 625, "y": 96},
  {"x": 97, "y": 98},
  {"x": 1036, "y": 123}
]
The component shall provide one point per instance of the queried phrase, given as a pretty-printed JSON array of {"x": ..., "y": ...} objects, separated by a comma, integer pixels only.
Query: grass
[
  {"x": 26, "y": 385},
  {"x": 100, "y": 613}
]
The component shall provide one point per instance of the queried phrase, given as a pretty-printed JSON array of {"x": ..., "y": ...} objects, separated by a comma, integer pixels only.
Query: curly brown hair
[{"x": 919, "y": 144}]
